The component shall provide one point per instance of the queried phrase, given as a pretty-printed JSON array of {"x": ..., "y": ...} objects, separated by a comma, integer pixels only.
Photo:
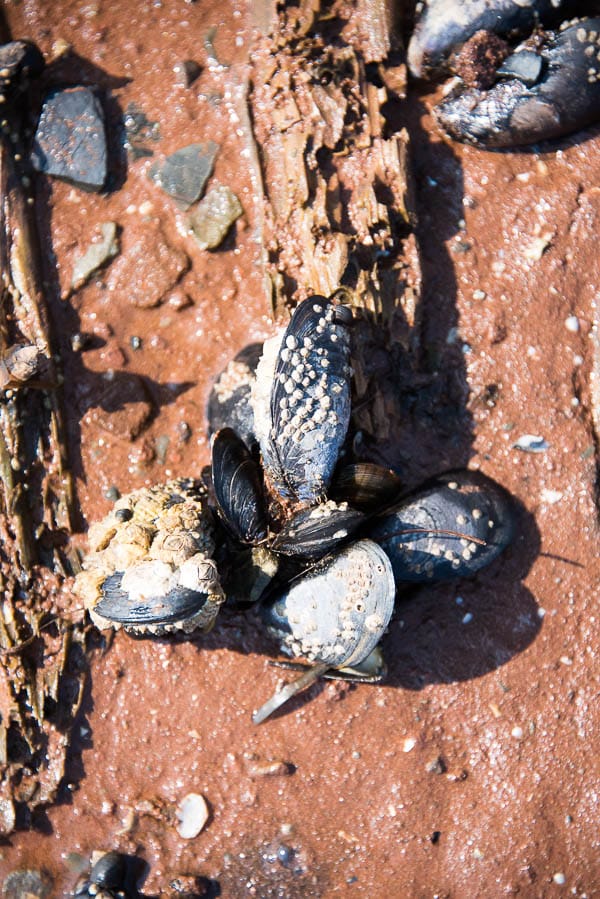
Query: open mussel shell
[
  {"x": 337, "y": 612},
  {"x": 150, "y": 568},
  {"x": 333, "y": 616},
  {"x": 451, "y": 528},
  {"x": 229, "y": 403},
  {"x": 238, "y": 488},
  {"x": 302, "y": 399},
  {"x": 314, "y": 532}
]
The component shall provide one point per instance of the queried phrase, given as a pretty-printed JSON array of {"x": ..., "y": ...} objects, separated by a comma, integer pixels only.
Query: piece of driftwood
[
  {"x": 337, "y": 198},
  {"x": 41, "y": 670}
]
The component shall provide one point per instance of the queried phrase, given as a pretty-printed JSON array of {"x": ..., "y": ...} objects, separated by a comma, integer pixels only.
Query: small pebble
[
  {"x": 183, "y": 174},
  {"x": 479, "y": 294},
  {"x": 467, "y": 618},
  {"x": 214, "y": 216},
  {"x": 192, "y": 813},
  {"x": 97, "y": 254},
  {"x": 517, "y": 733},
  {"x": 113, "y": 493},
  {"x": 551, "y": 496},
  {"x": 572, "y": 324},
  {"x": 559, "y": 878},
  {"x": 436, "y": 766},
  {"x": 135, "y": 343},
  {"x": 261, "y": 767},
  {"x": 409, "y": 743}
]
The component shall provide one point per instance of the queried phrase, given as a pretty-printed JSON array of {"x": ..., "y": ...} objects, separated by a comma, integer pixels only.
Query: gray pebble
[{"x": 183, "y": 174}]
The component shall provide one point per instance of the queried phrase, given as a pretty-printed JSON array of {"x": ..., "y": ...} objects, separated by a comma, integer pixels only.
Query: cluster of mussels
[{"x": 320, "y": 546}]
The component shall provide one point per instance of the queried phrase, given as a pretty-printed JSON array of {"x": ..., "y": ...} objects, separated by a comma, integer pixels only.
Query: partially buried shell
[
  {"x": 450, "y": 528},
  {"x": 150, "y": 568}
]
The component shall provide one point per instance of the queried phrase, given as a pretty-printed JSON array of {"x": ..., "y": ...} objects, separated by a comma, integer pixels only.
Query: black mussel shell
[
  {"x": 109, "y": 871},
  {"x": 238, "y": 488},
  {"x": 449, "y": 529},
  {"x": 314, "y": 532},
  {"x": 366, "y": 486},
  {"x": 565, "y": 98},
  {"x": 310, "y": 400},
  {"x": 229, "y": 404},
  {"x": 117, "y": 606}
]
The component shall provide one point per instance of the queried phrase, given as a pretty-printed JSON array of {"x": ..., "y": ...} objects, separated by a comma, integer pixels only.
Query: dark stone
[
  {"x": 19, "y": 61},
  {"x": 186, "y": 72},
  {"x": 184, "y": 173},
  {"x": 70, "y": 141}
]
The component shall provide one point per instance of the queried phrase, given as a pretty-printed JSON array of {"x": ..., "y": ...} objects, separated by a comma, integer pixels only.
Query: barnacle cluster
[{"x": 150, "y": 568}]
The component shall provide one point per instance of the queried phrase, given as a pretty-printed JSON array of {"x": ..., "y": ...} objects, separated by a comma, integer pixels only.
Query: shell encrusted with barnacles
[
  {"x": 302, "y": 399},
  {"x": 150, "y": 567}
]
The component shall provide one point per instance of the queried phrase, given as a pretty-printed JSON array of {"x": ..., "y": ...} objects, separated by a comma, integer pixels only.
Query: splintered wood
[
  {"x": 337, "y": 195},
  {"x": 338, "y": 206},
  {"x": 41, "y": 674}
]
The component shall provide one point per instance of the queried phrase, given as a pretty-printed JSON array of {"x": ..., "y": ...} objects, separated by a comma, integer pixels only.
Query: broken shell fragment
[{"x": 192, "y": 814}]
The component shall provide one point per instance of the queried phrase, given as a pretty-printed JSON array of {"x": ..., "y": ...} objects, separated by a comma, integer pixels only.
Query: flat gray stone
[
  {"x": 70, "y": 140},
  {"x": 183, "y": 174}
]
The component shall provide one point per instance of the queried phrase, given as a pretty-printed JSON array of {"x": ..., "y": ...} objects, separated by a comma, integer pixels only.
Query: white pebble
[
  {"x": 559, "y": 878},
  {"x": 479, "y": 294},
  {"x": 551, "y": 496},
  {"x": 517, "y": 732},
  {"x": 409, "y": 744},
  {"x": 572, "y": 324},
  {"x": 192, "y": 813},
  {"x": 467, "y": 618}
]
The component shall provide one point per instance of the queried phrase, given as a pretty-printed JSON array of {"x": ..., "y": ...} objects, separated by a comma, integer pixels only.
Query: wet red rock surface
[{"x": 473, "y": 770}]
